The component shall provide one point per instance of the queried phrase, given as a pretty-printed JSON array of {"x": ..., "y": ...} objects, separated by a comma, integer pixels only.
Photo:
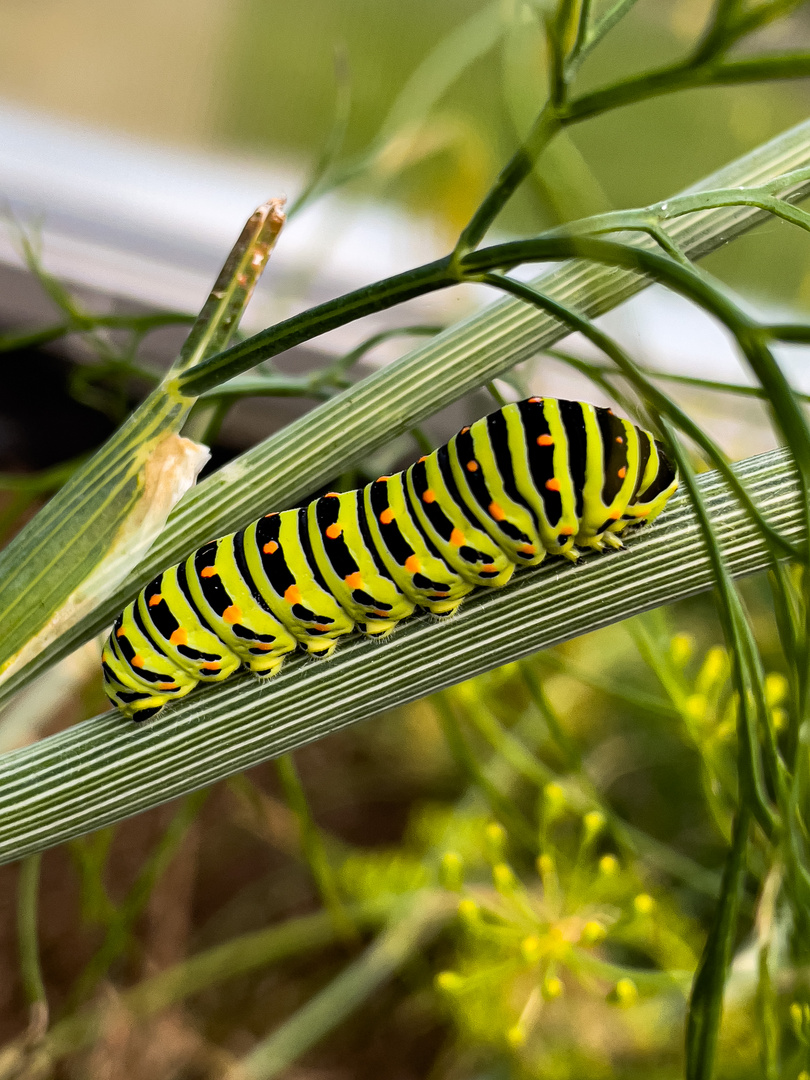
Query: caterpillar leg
[
  {"x": 135, "y": 701},
  {"x": 265, "y": 668},
  {"x": 600, "y": 541},
  {"x": 321, "y": 649},
  {"x": 446, "y": 610},
  {"x": 377, "y": 628}
]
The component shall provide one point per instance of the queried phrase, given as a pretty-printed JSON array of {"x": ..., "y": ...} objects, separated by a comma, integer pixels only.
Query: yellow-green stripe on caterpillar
[{"x": 538, "y": 477}]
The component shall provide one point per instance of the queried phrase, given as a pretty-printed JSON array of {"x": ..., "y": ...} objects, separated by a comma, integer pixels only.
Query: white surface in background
[{"x": 154, "y": 225}]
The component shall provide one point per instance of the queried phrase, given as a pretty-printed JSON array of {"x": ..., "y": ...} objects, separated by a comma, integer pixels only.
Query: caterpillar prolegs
[{"x": 538, "y": 477}]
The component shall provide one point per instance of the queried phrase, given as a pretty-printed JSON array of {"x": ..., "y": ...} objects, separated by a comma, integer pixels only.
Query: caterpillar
[{"x": 539, "y": 477}]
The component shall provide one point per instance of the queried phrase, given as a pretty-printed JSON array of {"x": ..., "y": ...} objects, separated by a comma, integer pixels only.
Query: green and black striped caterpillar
[{"x": 538, "y": 477}]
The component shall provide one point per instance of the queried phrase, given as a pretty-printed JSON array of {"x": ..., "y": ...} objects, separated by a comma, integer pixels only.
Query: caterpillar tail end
[
  {"x": 138, "y": 706},
  {"x": 138, "y": 699}
]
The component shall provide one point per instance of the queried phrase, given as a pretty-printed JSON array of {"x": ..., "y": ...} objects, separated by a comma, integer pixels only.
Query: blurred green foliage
[{"x": 278, "y": 92}]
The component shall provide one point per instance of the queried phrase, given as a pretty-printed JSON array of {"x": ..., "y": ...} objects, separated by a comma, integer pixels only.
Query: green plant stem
[
  {"x": 604, "y": 24},
  {"x": 319, "y": 384},
  {"x": 465, "y": 44},
  {"x": 686, "y": 76},
  {"x": 89, "y": 855},
  {"x": 664, "y": 858},
  {"x": 699, "y": 70},
  {"x": 706, "y": 1000},
  {"x": 652, "y": 394},
  {"x": 73, "y": 549},
  {"x": 718, "y": 385},
  {"x": 408, "y": 932},
  {"x": 767, "y": 1018},
  {"x": 317, "y": 320},
  {"x": 313, "y": 847},
  {"x": 122, "y": 920},
  {"x": 647, "y": 218},
  {"x": 45, "y": 480},
  {"x": 750, "y": 337},
  {"x": 648, "y": 982},
  {"x": 500, "y": 805},
  {"x": 656, "y": 657},
  {"x": 85, "y": 321},
  {"x": 504, "y": 256},
  {"x": 509, "y": 179},
  {"x": 583, "y": 29},
  {"x": 634, "y": 699},
  {"x": 507, "y": 747},
  {"x": 564, "y": 743},
  {"x": 28, "y": 938},
  {"x": 334, "y": 139},
  {"x": 580, "y": 789},
  {"x": 239, "y": 956},
  {"x": 752, "y": 793}
]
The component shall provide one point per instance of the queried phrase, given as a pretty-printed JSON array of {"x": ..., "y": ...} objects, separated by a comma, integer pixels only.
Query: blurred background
[{"x": 135, "y": 139}]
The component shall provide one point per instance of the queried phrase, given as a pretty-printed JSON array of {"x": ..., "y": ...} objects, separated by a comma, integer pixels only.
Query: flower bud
[
  {"x": 681, "y": 647},
  {"x": 451, "y": 871},
  {"x": 592, "y": 933},
  {"x": 532, "y": 948},
  {"x": 469, "y": 911},
  {"x": 450, "y": 982},
  {"x": 593, "y": 822},
  {"x": 609, "y": 865},
  {"x": 643, "y": 903},
  {"x": 503, "y": 878},
  {"x": 516, "y": 1037},
  {"x": 625, "y": 993},
  {"x": 553, "y": 799}
]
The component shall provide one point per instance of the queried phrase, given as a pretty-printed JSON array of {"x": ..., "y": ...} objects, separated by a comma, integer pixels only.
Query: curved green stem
[
  {"x": 318, "y": 320},
  {"x": 509, "y": 179},
  {"x": 420, "y": 918},
  {"x": 664, "y": 404},
  {"x": 687, "y": 76},
  {"x": 706, "y": 1001},
  {"x": 28, "y": 937},
  {"x": 750, "y": 337},
  {"x": 748, "y": 676}
]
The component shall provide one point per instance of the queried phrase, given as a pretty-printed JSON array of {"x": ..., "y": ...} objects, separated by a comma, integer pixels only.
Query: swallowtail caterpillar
[{"x": 538, "y": 477}]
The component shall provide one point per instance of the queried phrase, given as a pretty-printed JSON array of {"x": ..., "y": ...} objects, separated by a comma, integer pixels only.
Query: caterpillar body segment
[
  {"x": 539, "y": 477},
  {"x": 351, "y": 566}
]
